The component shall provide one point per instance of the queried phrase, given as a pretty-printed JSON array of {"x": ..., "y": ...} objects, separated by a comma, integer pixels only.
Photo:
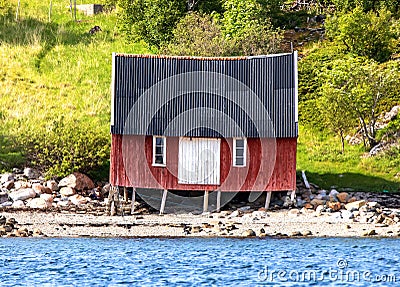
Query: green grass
[
  {"x": 54, "y": 72},
  {"x": 319, "y": 155}
]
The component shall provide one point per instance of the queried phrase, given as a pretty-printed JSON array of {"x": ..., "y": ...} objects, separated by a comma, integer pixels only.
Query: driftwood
[{"x": 306, "y": 183}]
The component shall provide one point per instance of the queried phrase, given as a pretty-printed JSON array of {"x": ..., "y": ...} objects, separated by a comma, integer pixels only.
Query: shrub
[
  {"x": 65, "y": 146},
  {"x": 364, "y": 34},
  {"x": 311, "y": 66},
  {"x": 198, "y": 35},
  {"x": 5, "y": 7}
]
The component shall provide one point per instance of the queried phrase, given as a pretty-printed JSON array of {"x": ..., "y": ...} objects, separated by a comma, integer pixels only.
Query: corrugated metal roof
[{"x": 204, "y": 97}]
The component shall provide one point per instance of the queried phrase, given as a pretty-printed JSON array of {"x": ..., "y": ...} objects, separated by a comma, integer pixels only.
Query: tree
[
  {"x": 364, "y": 34},
  {"x": 198, "y": 35},
  {"x": 357, "y": 88},
  {"x": 366, "y": 5},
  {"x": 335, "y": 112},
  {"x": 242, "y": 30},
  {"x": 248, "y": 25},
  {"x": 311, "y": 78},
  {"x": 150, "y": 20}
]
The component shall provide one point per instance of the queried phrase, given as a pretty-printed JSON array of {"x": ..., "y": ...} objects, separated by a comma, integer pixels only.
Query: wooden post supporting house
[
  {"x": 268, "y": 199},
  {"x": 163, "y": 201},
  {"x": 113, "y": 200},
  {"x": 133, "y": 200},
  {"x": 293, "y": 195},
  {"x": 125, "y": 194},
  {"x": 218, "y": 200},
  {"x": 205, "y": 202}
]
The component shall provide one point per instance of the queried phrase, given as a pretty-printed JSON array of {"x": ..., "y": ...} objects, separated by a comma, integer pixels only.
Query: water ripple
[{"x": 199, "y": 262}]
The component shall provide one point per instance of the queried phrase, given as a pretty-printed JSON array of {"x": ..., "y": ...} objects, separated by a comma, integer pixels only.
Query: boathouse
[{"x": 204, "y": 124}]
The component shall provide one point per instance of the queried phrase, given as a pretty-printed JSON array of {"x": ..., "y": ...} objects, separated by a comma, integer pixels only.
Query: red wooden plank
[{"x": 271, "y": 165}]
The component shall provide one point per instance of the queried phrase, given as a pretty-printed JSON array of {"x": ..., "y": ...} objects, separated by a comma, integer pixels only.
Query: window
[
  {"x": 239, "y": 152},
  {"x": 159, "y": 151}
]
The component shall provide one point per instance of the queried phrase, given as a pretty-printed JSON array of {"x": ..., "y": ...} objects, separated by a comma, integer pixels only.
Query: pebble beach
[
  {"x": 77, "y": 207},
  {"x": 282, "y": 223}
]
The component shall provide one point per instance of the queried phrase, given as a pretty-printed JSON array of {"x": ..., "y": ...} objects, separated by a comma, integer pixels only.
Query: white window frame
[
  {"x": 164, "y": 151},
  {"x": 244, "y": 152}
]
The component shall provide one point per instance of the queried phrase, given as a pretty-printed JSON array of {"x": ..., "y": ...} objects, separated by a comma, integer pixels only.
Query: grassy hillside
[
  {"x": 55, "y": 82},
  {"x": 55, "y": 102},
  {"x": 320, "y": 156}
]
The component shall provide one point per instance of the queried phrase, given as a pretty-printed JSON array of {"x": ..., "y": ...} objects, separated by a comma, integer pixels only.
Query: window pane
[
  {"x": 159, "y": 141},
  {"x": 159, "y": 150},
  {"x": 239, "y": 161},
  {"x": 159, "y": 159},
  {"x": 239, "y": 143},
  {"x": 239, "y": 152}
]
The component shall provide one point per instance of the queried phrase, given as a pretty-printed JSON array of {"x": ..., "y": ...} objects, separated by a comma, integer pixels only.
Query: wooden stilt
[
  {"x": 218, "y": 200},
  {"x": 205, "y": 202},
  {"x": 268, "y": 199},
  {"x": 293, "y": 195},
  {"x": 109, "y": 202},
  {"x": 112, "y": 208},
  {"x": 133, "y": 200},
  {"x": 116, "y": 200},
  {"x": 164, "y": 199},
  {"x": 125, "y": 194},
  {"x": 112, "y": 195}
]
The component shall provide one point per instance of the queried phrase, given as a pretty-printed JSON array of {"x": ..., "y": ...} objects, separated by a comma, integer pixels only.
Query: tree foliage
[
  {"x": 241, "y": 16},
  {"x": 356, "y": 89},
  {"x": 364, "y": 34},
  {"x": 63, "y": 146},
  {"x": 366, "y": 5},
  {"x": 5, "y": 7},
  {"x": 335, "y": 112},
  {"x": 198, "y": 35},
  {"x": 207, "y": 6},
  {"x": 248, "y": 25},
  {"x": 150, "y": 20},
  {"x": 311, "y": 68},
  {"x": 236, "y": 32},
  {"x": 240, "y": 27}
]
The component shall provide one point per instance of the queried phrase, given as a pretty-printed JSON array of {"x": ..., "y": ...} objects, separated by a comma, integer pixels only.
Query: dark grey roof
[{"x": 205, "y": 97}]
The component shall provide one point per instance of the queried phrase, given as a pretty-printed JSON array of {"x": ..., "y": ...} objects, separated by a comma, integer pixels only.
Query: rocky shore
[
  {"x": 280, "y": 223},
  {"x": 76, "y": 206}
]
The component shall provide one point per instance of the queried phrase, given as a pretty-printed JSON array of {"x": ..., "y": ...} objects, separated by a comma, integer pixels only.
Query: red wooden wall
[{"x": 271, "y": 165}]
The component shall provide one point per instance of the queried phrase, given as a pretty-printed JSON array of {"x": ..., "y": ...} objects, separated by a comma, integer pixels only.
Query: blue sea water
[{"x": 199, "y": 262}]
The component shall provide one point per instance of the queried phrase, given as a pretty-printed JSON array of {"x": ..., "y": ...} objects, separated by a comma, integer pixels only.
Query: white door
[{"x": 199, "y": 161}]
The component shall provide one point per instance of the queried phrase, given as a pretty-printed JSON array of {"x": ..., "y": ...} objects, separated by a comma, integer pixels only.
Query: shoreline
[
  {"x": 76, "y": 207},
  {"x": 257, "y": 224}
]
